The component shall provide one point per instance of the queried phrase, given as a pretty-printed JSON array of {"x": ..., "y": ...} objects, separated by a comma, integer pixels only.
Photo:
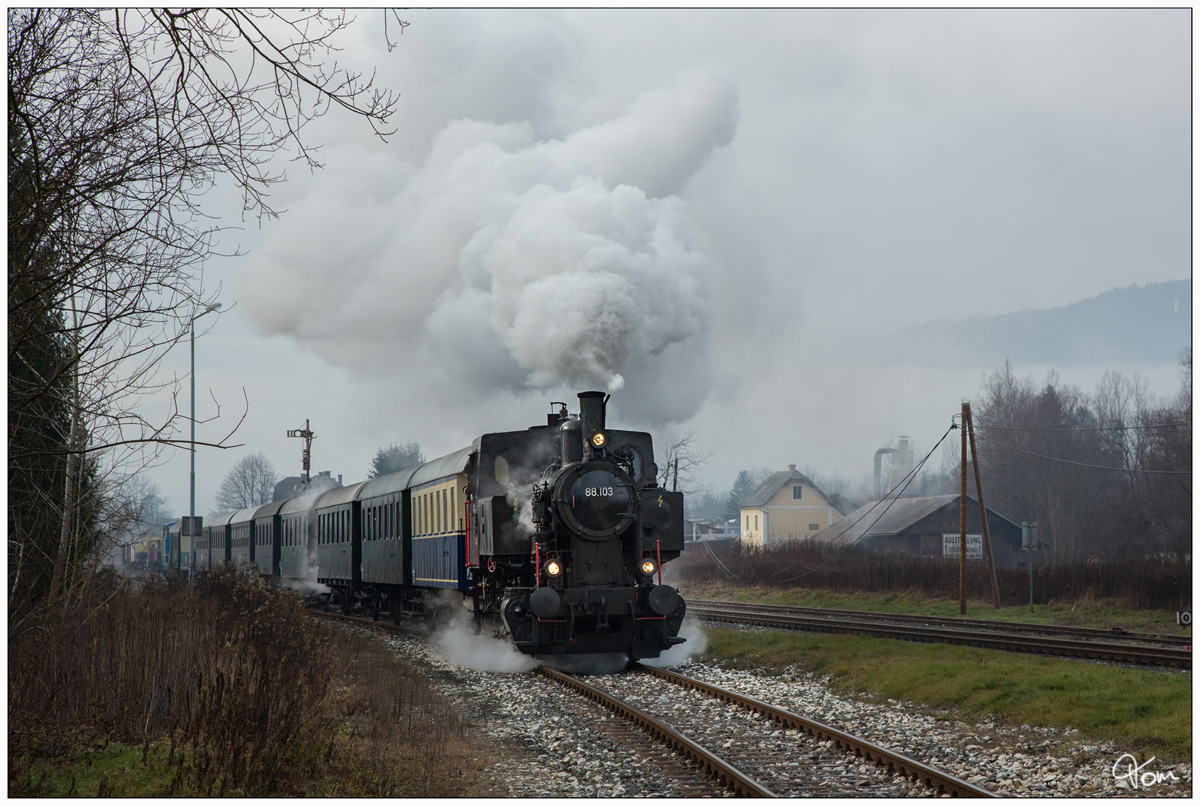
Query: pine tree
[{"x": 395, "y": 458}]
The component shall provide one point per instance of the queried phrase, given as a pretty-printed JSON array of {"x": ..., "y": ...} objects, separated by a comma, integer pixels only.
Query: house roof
[
  {"x": 775, "y": 482},
  {"x": 889, "y": 516}
]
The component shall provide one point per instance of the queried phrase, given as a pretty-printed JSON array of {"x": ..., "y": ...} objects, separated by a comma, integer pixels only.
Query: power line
[
  {"x": 1098, "y": 428},
  {"x": 912, "y": 474},
  {"x": 1084, "y": 464}
]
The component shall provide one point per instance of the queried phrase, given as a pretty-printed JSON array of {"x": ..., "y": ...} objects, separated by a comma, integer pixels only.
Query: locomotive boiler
[{"x": 572, "y": 530}]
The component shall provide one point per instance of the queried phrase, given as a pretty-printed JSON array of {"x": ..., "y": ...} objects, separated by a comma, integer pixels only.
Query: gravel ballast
[{"x": 552, "y": 743}]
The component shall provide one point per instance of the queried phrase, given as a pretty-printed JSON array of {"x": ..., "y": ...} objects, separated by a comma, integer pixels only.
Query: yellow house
[{"x": 787, "y": 506}]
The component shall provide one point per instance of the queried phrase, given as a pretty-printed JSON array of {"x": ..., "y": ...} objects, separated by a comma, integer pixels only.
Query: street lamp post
[{"x": 192, "y": 507}]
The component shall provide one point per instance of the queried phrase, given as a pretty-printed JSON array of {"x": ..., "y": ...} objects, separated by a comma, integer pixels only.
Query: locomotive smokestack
[{"x": 591, "y": 417}]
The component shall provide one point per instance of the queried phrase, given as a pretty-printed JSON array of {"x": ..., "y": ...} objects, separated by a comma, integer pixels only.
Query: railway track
[
  {"x": 1125, "y": 647},
  {"x": 754, "y": 759},
  {"x": 834, "y": 762}
]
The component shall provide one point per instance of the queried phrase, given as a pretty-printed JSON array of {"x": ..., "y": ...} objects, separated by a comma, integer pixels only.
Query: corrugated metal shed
[
  {"x": 892, "y": 516},
  {"x": 442, "y": 467}
]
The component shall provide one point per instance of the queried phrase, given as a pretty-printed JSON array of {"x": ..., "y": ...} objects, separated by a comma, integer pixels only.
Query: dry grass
[{"x": 231, "y": 690}]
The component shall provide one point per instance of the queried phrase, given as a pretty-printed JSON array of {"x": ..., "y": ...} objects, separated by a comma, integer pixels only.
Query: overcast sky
[{"x": 715, "y": 215}]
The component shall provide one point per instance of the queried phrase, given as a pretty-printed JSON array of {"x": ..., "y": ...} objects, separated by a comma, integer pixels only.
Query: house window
[
  {"x": 797, "y": 492},
  {"x": 756, "y": 523},
  {"x": 813, "y": 527},
  {"x": 747, "y": 523}
]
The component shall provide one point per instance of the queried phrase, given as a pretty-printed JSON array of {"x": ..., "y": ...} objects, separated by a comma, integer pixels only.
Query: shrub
[{"x": 244, "y": 693}]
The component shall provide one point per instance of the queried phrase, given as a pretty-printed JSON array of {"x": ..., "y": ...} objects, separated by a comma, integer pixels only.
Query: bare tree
[
  {"x": 250, "y": 483},
  {"x": 679, "y": 463},
  {"x": 119, "y": 122}
]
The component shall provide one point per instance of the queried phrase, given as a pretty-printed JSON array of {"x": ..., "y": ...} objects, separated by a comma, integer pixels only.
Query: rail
[
  {"x": 914, "y": 770},
  {"x": 1112, "y": 633},
  {"x": 741, "y": 783},
  {"x": 860, "y": 623}
]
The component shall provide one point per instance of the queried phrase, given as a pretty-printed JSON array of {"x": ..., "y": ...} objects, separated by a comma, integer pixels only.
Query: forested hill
[{"x": 1148, "y": 324}]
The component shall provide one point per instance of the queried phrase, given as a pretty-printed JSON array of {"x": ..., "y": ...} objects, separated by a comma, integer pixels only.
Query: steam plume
[{"x": 525, "y": 264}]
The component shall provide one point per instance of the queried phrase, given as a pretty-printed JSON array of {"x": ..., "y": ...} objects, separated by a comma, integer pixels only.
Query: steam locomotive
[{"x": 554, "y": 536}]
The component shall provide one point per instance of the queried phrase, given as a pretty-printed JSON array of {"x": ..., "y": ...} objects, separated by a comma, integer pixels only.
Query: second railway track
[{"x": 1126, "y": 648}]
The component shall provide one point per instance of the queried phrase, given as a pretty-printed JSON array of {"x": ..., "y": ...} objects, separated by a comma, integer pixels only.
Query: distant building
[
  {"x": 925, "y": 527},
  {"x": 293, "y": 486},
  {"x": 787, "y": 506},
  {"x": 694, "y": 530}
]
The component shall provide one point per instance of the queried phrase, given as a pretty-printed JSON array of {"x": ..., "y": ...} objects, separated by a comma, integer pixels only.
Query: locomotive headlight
[
  {"x": 553, "y": 568},
  {"x": 598, "y": 439},
  {"x": 648, "y": 567}
]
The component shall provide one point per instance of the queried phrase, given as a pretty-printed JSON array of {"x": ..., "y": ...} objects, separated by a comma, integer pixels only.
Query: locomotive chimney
[{"x": 591, "y": 417}]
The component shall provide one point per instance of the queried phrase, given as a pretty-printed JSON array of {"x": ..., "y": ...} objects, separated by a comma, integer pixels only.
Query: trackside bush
[{"x": 239, "y": 689}]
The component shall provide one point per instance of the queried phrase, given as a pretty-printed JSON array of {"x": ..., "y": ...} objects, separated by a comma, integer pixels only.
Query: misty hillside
[{"x": 1148, "y": 324}]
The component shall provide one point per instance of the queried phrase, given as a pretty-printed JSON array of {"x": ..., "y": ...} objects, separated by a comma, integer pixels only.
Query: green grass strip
[
  {"x": 117, "y": 770},
  {"x": 1144, "y": 709},
  {"x": 1096, "y": 614}
]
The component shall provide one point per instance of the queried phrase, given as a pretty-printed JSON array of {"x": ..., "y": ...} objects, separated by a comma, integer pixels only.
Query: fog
[{"x": 722, "y": 217}]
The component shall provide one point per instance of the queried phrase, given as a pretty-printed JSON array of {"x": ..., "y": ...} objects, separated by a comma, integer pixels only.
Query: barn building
[
  {"x": 927, "y": 527},
  {"x": 787, "y": 506}
]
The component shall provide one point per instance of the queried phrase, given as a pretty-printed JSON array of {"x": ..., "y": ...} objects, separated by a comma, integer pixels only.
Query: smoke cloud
[
  {"x": 482, "y": 651},
  {"x": 516, "y": 264}
]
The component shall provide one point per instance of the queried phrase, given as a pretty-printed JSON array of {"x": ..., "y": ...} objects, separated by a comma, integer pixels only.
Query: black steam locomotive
[{"x": 554, "y": 536}]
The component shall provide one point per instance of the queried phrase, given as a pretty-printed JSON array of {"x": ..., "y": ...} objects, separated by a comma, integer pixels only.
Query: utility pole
[
  {"x": 1029, "y": 541},
  {"x": 192, "y": 478},
  {"x": 987, "y": 542},
  {"x": 307, "y": 435},
  {"x": 962, "y": 521}
]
